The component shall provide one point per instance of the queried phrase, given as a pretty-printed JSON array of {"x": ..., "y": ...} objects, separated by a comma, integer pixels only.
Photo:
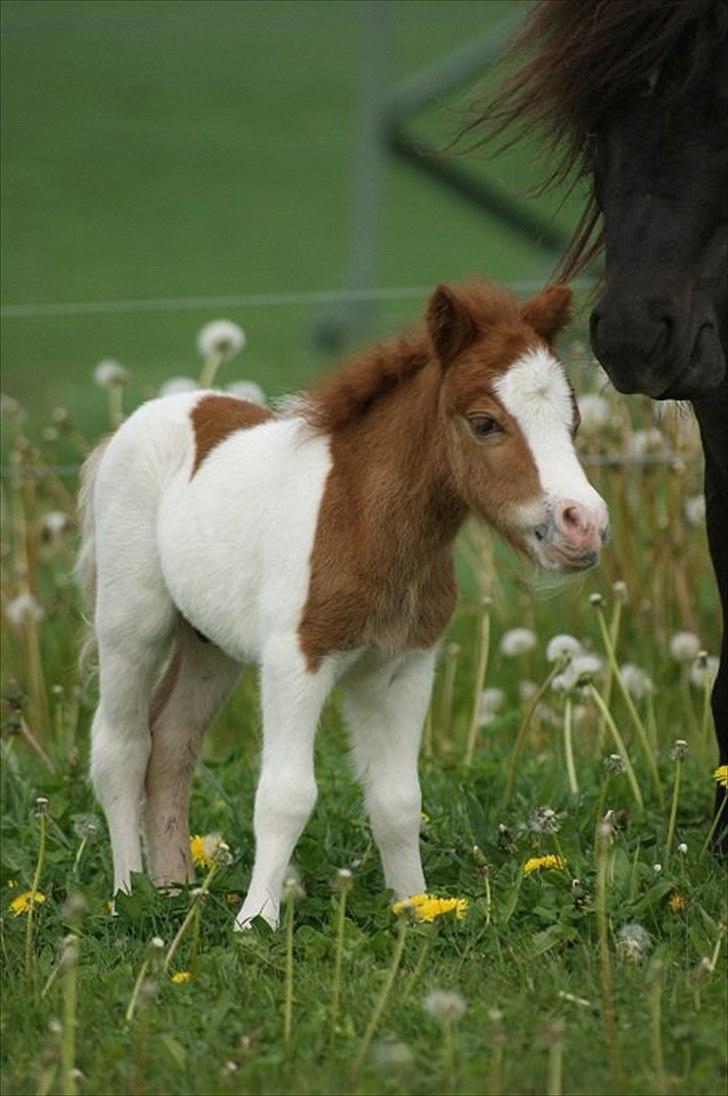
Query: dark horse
[{"x": 633, "y": 96}]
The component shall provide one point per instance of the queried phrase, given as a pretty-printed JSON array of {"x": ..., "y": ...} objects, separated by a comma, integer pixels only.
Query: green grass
[
  {"x": 177, "y": 149},
  {"x": 182, "y": 149}
]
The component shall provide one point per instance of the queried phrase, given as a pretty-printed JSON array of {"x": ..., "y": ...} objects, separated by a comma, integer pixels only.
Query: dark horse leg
[{"x": 712, "y": 415}]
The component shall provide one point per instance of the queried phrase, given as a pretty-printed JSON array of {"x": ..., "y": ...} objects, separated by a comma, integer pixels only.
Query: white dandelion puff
[
  {"x": 491, "y": 702},
  {"x": 517, "y": 641},
  {"x": 247, "y": 390},
  {"x": 633, "y": 942},
  {"x": 704, "y": 671},
  {"x": 595, "y": 413},
  {"x": 220, "y": 338},
  {"x": 684, "y": 647},
  {"x": 647, "y": 443},
  {"x": 109, "y": 372},
  {"x": 694, "y": 510},
  {"x": 178, "y": 384},
  {"x": 563, "y": 646},
  {"x": 23, "y": 609},
  {"x": 527, "y": 690},
  {"x": 54, "y": 522},
  {"x": 637, "y": 683},
  {"x": 445, "y": 1004}
]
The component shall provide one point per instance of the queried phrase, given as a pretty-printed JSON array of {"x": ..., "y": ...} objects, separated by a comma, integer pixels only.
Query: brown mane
[
  {"x": 348, "y": 393},
  {"x": 576, "y": 59}
]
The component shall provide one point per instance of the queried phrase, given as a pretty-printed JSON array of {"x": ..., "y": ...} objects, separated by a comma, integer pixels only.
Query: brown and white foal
[{"x": 317, "y": 542}]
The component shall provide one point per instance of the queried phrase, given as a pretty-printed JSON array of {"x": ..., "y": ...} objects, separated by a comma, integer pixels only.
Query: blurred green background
[{"x": 190, "y": 149}]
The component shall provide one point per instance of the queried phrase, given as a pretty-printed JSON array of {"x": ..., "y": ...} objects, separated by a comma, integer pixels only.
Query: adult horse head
[{"x": 632, "y": 96}]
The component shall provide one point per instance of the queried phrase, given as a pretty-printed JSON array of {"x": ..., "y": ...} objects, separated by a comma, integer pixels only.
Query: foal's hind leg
[
  {"x": 196, "y": 684},
  {"x": 130, "y": 634}
]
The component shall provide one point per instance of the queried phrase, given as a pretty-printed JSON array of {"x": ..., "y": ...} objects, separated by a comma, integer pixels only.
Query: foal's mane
[
  {"x": 345, "y": 395},
  {"x": 574, "y": 61}
]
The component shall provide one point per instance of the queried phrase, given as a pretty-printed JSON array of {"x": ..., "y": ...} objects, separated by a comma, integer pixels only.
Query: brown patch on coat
[
  {"x": 406, "y": 470},
  {"x": 215, "y": 417}
]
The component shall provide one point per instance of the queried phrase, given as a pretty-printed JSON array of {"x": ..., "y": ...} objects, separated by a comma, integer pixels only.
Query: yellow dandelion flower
[
  {"x": 205, "y": 849},
  {"x": 428, "y": 907},
  {"x": 181, "y": 976},
  {"x": 543, "y": 863},
  {"x": 721, "y": 775},
  {"x": 24, "y": 901},
  {"x": 677, "y": 902}
]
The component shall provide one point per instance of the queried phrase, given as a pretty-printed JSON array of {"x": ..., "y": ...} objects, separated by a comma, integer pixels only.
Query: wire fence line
[
  {"x": 598, "y": 460},
  {"x": 249, "y": 300}
]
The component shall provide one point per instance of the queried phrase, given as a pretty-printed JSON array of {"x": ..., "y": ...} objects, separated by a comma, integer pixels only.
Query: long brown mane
[{"x": 577, "y": 59}]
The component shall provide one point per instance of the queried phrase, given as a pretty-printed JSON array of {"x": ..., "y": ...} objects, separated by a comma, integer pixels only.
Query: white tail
[{"x": 86, "y": 562}]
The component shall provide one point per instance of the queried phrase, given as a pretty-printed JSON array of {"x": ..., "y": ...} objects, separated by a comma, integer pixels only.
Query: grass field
[{"x": 181, "y": 149}]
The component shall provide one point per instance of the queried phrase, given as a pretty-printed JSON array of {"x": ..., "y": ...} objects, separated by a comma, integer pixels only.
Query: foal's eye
[{"x": 484, "y": 426}]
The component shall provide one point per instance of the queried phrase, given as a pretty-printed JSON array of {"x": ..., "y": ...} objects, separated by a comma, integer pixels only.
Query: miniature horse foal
[{"x": 317, "y": 542}]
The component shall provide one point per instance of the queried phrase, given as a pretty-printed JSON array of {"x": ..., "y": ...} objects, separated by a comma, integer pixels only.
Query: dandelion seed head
[
  {"x": 682, "y": 848},
  {"x": 657, "y": 868},
  {"x": 679, "y": 750},
  {"x": 109, "y": 372},
  {"x": 490, "y": 703},
  {"x": 595, "y": 413},
  {"x": 292, "y": 889},
  {"x": 527, "y": 690},
  {"x": 704, "y": 671},
  {"x": 247, "y": 390},
  {"x": 41, "y": 806},
  {"x": 615, "y": 764},
  {"x": 619, "y": 590},
  {"x": 694, "y": 510},
  {"x": 54, "y": 522},
  {"x": 176, "y": 385},
  {"x": 596, "y": 599},
  {"x": 392, "y": 1056},
  {"x": 562, "y": 647},
  {"x": 517, "y": 641},
  {"x": 637, "y": 683},
  {"x": 648, "y": 443},
  {"x": 684, "y": 646},
  {"x": 221, "y": 338},
  {"x": 23, "y": 609},
  {"x": 633, "y": 942},
  {"x": 544, "y": 820},
  {"x": 445, "y": 1004},
  {"x": 157, "y": 943},
  {"x": 87, "y": 826}
]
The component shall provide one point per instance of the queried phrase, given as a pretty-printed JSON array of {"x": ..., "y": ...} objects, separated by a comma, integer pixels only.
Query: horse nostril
[{"x": 573, "y": 517}]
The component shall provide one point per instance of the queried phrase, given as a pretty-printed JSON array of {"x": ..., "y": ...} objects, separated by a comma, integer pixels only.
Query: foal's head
[{"x": 509, "y": 419}]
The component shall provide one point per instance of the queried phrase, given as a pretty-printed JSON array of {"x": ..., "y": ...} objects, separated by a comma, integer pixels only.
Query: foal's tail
[{"x": 86, "y": 561}]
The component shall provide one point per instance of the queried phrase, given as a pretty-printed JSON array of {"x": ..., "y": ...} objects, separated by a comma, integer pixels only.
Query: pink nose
[{"x": 580, "y": 526}]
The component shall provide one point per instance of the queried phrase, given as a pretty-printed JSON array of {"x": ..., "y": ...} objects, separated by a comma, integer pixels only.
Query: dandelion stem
[
  {"x": 605, "y": 969},
  {"x": 79, "y": 854},
  {"x": 209, "y": 369},
  {"x": 621, "y": 750},
  {"x": 70, "y": 997},
  {"x": 569, "y": 748},
  {"x": 382, "y": 1000},
  {"x": 713, "y": 828},
  {"x": 629, "y": 703},
  {"x": 480, "y": 672},
  {"x": 116, "y": 410},
  {"x": 556, "y": 1059},
  {"x": 131, "y": 1007},
  {"x": 523, "y": 730},
  {"x": 288, "y": 1004},
  {"x": 656, "y": 1025},
  {"x": 673, "y": 809},
  {"x": 496, "y": 1063},
  {"x": 448, "y": 1047},
  {"x": 198, "y": 896},
  {"x": 418, "y": 968},
  {"x": 705, "y": 717},
  {"x": 448, "y": 688},
  {"x": 42, "y": 825},
  {"x": 338, "y": 957},
  {"x": 609, "y": 682}
]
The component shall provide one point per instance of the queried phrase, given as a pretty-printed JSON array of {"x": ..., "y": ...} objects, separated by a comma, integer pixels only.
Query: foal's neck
[{"x": 393, "y": 459}]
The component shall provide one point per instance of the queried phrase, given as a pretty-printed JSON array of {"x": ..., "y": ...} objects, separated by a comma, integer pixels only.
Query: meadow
[{"x": 175, "y": 151}]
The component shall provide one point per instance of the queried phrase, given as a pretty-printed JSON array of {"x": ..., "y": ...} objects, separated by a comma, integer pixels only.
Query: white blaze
[{"x": 535, "y": 392}]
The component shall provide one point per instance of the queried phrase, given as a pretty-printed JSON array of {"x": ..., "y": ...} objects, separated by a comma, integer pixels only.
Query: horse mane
[
  {"x": 348, "y": 393},
  {"x": 574, "y": 61}
]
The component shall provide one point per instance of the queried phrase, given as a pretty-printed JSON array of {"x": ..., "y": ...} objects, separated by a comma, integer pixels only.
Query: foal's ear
[
  {"x": 450, "y": 324},
  {"x": 549, "y": 312}
]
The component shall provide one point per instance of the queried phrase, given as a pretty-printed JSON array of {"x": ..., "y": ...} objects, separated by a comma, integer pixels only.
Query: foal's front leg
[
  {"x": 292, "y": 699},
  {"x": 385, "y": 705}
]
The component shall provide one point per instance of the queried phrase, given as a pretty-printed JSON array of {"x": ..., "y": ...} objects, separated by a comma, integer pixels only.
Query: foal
[{"x": 319, "y": 543}]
